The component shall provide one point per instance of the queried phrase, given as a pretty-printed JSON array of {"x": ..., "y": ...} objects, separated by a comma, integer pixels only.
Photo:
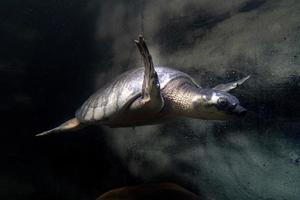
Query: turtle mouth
[{"x": 239, "y": 111}]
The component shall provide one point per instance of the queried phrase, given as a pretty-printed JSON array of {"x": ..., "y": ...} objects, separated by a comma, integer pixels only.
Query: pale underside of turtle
[{"x": 146, "y": 95}]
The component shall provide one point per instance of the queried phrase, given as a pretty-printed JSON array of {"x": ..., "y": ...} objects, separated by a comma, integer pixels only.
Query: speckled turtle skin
[{"x": 116, "y": 96}]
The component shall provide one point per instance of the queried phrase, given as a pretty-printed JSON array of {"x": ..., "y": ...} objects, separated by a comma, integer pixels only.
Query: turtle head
[{"x": 218, "y": 104}]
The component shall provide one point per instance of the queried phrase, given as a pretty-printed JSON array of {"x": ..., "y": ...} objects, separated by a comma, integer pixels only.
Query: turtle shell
[{"x": 121, "y": 92}]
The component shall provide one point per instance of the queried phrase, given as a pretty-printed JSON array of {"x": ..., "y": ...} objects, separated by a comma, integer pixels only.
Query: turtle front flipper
[
  {"x": 151, "y": 98},
  {"x": 232, "y": 85}
]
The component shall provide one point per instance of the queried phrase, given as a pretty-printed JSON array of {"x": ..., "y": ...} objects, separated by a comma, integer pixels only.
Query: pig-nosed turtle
[{"x": 152, "y": 95}]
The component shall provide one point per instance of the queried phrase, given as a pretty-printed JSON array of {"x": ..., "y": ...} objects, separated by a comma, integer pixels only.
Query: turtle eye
[{"x": 222, "y": 102}]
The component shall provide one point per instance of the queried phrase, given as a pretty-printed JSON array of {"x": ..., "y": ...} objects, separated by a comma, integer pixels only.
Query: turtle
[
  {"x": 151, "y": 95},
  {"x": 163, "y": 190}
]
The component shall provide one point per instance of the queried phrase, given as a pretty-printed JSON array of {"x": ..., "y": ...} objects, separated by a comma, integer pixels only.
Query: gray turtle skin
[
  {"x": 152, "y": 95},
  {"x": 111, "y": 103}
]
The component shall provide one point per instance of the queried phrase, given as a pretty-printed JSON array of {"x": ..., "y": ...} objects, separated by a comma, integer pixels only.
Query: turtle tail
[{"x": 70, "y": 125}]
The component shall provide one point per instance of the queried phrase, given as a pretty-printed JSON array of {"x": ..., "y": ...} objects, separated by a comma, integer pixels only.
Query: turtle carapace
[{"x": 151, "y": 95}]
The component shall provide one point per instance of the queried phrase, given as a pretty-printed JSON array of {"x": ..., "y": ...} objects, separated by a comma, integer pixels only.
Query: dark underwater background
[{"x": 54, "y": 54}]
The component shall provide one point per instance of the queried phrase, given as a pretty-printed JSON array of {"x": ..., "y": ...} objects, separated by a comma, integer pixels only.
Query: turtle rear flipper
[{"x": 70, "y": 125}]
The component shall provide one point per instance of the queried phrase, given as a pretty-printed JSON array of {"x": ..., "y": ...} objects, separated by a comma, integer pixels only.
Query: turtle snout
[
  {"x": 243, "y": 113},
  {"x": 240, "y": 111}
]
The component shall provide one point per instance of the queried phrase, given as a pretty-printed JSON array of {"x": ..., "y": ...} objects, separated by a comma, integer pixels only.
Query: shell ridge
[{"x": 115, "y": 96}]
